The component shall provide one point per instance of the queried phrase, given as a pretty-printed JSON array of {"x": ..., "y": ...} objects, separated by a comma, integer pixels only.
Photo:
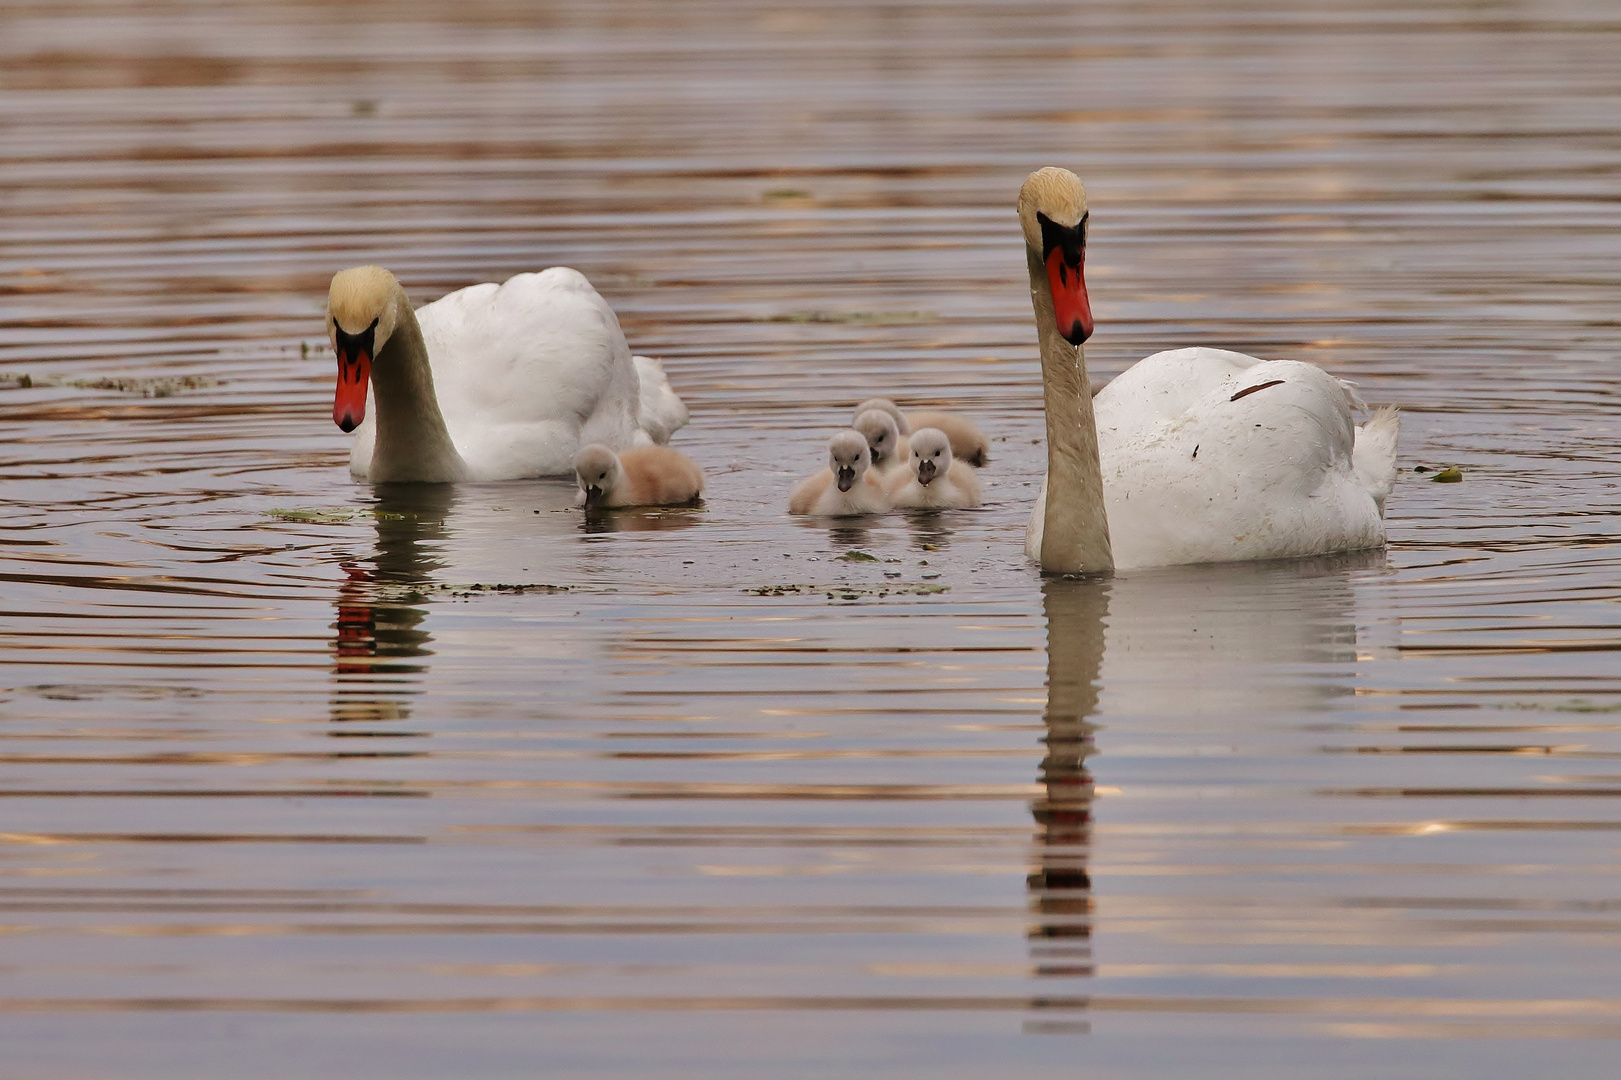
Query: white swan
[
  {"x": 492, "y": 382},
  {"x": 1194, "y": 455}
]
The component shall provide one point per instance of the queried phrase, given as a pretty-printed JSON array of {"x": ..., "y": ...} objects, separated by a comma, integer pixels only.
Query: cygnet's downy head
[
  {"x": 884, "y": 405},
  {"x": 883, "y": 437},
  {"x": 931, "y": 454},
  {"x": 360, "y": 316},
  {"x": 599, "y": 471},
  {"x": 848, "y": 457}
]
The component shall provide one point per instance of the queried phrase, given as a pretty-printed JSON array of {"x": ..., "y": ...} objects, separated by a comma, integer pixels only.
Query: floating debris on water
[
  {"x": 1575, "y": 705},
  {"x": 857, "y": 318},
  {"x": 477, "y": 588},
  {"x": 849, "y": 592},
  {"x": 315, "y": 517},
  {"x": 856, "y": 555},
  {"x": 147, "y": 386},
  {"x": 1449, "y": 475}
]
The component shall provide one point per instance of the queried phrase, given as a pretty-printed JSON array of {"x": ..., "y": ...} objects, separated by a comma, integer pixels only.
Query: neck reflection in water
[
  {"x": 1167, "y": 652},
  {"x": 381, "y": 605},
  {"x": 1060, "y": 888}
]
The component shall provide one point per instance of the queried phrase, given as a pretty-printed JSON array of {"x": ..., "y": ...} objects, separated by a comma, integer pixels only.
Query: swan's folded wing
[
  {"x": 1258, "y": 467},
  {"x": 537, "y": 347},
  {"x": 527, "y": 371},
  {"x": 1167, "y": 384}
]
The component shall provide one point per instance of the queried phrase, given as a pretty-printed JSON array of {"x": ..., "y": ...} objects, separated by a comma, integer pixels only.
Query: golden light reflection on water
[{"x": 316, "y": 756}]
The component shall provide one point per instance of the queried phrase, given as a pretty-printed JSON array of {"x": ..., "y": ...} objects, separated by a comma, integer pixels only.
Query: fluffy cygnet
[
  {"x": 968, "y": 443},
  {"x": 848, "y": 486},
  {"x": 645, "y": 476},
  {"x": 884, "y": 405},
  {"x": 935, "y": 480},
  {"x": 884, "y": 439}
]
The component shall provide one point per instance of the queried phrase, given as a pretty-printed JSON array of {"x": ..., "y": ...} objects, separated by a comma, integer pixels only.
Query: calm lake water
[{"x": 296, "y": 782}]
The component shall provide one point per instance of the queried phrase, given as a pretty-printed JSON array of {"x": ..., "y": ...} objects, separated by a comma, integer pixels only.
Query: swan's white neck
[
  {"x": 1075, "y": 531},
  {"x": 413, "y": 443}
]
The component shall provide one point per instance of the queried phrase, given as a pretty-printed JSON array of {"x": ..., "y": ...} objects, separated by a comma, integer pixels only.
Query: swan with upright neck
[
  {"x": 1192, "y": 455},
  {"x": 492, "y": 382}
]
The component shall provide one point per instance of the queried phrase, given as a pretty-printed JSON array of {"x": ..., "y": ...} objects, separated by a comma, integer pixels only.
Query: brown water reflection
[
  {"x": 1060, "y": 888},
  {"x": 306, "y": 779},
  {"x": 382, "y": 603}
]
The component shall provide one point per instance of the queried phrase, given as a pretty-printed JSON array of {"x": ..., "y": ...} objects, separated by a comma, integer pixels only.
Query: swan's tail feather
[
  {"x": 1373, "y": 457},
  {"x": 662, "y": 413},
  {"x": 1353, "y": 396}
]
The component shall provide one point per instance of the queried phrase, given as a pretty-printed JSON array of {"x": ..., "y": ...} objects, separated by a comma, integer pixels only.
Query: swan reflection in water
[
  {"x": 380, "y": 645},
  {"x": 929, "y": 530},
  {"x": 1060, "y": 888},
  {"x": 842, "y": 533},
  {"x": 1172, "y": 648},
  {"x": 639, "y": 519}
]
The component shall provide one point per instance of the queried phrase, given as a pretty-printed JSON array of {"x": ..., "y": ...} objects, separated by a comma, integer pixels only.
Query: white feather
[{"x": 1191, "y": 475}]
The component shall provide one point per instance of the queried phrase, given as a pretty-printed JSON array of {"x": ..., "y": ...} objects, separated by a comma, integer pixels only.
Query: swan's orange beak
[
  {"x": 349, "y": 403},
  {"x": 1063, "y": 250},
  {"x": 1069, "y": 295},
  {"x": 354, "y": 371}
]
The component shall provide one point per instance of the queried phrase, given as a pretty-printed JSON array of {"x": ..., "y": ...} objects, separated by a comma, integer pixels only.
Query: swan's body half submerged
[
  {"x": 491, "y": 382},
  {"x": 1193, "y": 455}
]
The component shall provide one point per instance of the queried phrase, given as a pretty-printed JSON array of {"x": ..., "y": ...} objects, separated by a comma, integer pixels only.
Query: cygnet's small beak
[
  {"x": 593, "y": 494},
  {"x": 925, "y": 471},
  {"x": 846, "y": 477}
]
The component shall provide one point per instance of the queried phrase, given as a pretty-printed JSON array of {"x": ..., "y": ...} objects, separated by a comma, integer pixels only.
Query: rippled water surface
[{"x": 303, "y": 779}]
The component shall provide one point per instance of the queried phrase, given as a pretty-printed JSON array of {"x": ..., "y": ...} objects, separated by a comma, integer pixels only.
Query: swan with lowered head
[
  {"x": 492, "y": 382},
  {"x": 848, "y": 487},
  {"x": 1193, "y": 455},
  {"x": 968, "y": 443},
  {"x": 934, "y": 480},
  {"x": 642, "y": 476}
]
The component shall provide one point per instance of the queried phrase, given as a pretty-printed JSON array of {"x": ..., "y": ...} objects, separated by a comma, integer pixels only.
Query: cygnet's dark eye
[
  {"x": 604, "y": 476},
  {"x": 937, "y": 453}
]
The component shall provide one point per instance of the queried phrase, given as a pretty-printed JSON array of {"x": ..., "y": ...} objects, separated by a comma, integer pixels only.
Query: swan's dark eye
[
  {"x": 604, "y": 476},
  {"x": 1070, "y": 239},
  {"x": 937, "y": 453}
]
